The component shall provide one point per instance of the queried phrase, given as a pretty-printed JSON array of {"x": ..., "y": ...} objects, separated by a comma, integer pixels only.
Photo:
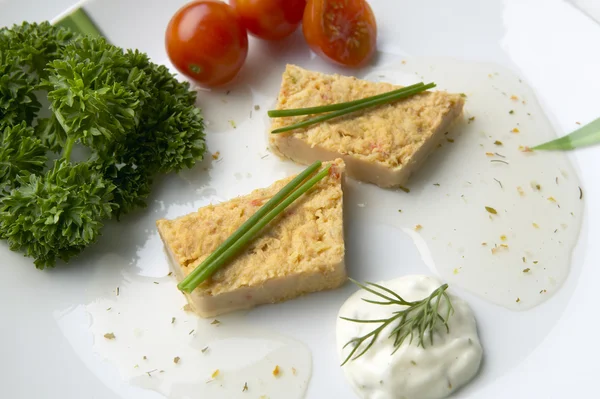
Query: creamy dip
[{"x": 412, "y": 372}]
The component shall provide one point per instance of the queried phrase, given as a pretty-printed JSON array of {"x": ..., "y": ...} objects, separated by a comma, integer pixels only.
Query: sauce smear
[
  {"x": 486, "y": 214},
  {"x": 146, "y": 332}
]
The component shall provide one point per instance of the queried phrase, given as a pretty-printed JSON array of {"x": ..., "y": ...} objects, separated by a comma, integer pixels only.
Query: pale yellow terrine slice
[
  {"x": 299, "y": 252},
  {"x": 382, "y": 145}
]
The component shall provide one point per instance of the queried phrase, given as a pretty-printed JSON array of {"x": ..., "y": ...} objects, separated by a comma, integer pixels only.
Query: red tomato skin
[
  {"x": 206, "y": 42},
  {"x": 270, "y": 19},
  {"x": 341, "y": 31}
]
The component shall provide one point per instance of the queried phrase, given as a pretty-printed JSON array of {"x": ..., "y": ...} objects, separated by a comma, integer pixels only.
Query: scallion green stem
[
  {"x": 278, "y": 113},
  {"x": 359, "y": 107},
  {"x": 79, "y": 21},
  {"x": 586, "y": 135},
  {"x": 245, "y": 233}
]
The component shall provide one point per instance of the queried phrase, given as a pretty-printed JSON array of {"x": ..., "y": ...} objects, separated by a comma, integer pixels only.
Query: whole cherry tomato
[
  {"x": 206, "y": 42},
  {"x": 270, "y": 19},
  {"x": 343, "y": 31}
]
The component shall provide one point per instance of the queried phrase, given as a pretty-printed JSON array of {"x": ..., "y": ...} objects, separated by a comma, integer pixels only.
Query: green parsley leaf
[
  {"x": 56, "y": 215},
  {"x": 21, "y": 154}
]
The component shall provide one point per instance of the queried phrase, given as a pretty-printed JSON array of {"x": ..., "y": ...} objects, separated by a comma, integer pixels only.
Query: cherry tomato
[
  {"x": 343, "y": 31},
  {"x": 270, "y": 19},
  {"x": 206, "y": 42}
]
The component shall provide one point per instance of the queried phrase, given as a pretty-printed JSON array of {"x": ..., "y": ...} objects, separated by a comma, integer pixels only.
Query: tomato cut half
[
  {"x": 206, "y": 42},
  {"x": 342, "y": 31}
]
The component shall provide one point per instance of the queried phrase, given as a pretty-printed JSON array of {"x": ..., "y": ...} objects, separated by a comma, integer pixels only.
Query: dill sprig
[{"x": 418, "y": 318}]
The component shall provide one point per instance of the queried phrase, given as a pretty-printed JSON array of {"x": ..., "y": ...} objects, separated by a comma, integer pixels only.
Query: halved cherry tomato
[
  {"x": 270, "y": 19},
  {"x": 343, "y": 31},
  {"x": 206, "y": 42}
]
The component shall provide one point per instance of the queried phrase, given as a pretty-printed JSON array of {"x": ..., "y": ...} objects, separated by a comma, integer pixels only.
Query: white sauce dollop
[{"x": 413, "y": 372}]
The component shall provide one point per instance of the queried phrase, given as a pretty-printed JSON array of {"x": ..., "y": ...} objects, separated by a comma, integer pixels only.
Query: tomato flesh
[
  {"x": 342, "y": 31},
  {"x": 206, "y": 42},
  {"x": 270, "y": 19}
]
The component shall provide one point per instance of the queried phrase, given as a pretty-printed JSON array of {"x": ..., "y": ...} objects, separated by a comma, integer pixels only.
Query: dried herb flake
[{"x": 491, "y": 210}]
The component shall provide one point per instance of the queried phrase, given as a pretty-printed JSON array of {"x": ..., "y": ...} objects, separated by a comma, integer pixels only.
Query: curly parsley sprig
[{"x": 130, "y": 116}]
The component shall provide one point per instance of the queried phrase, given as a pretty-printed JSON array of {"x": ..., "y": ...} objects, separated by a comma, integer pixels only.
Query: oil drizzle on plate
[
  {"x": 156, "y": 344},
  {"x": 490, "y": 217}
]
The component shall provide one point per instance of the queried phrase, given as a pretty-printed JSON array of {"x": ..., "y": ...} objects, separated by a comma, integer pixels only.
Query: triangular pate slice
[
  {"x": 299, "y": 252},
  {"x": 382, "y": 145}
]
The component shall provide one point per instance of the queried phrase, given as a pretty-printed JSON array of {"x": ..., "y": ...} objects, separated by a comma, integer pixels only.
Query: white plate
[{"x": 551, "y": 351}]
